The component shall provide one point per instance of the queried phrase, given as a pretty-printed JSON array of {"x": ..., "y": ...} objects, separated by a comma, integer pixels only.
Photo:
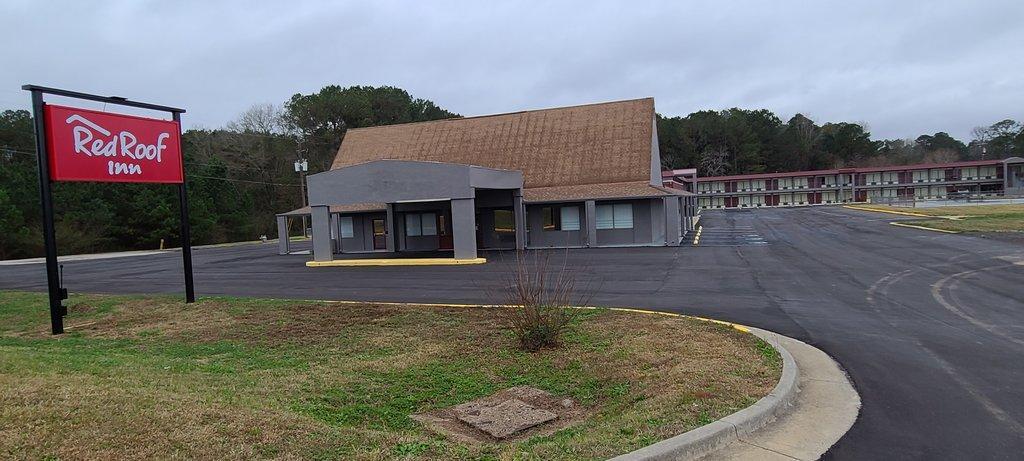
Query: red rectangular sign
[{"x": 86, "y": 145}]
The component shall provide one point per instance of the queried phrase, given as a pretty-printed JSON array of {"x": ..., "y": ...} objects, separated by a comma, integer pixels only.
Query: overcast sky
[{"x": 903, "y": 68}]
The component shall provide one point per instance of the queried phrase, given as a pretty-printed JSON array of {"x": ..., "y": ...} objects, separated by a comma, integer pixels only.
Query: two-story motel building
[{"x": 847, "y": 185}]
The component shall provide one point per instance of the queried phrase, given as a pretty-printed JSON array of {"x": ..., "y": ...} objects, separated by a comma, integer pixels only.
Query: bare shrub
[{"x": 539, "y": 299}]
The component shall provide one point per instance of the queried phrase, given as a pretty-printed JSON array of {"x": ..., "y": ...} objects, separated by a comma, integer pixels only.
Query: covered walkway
[{"x": 411, "y": 206}]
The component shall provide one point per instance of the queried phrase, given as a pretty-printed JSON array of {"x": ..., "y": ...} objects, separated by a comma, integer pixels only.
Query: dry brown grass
[{"x": 243, "y": 379}]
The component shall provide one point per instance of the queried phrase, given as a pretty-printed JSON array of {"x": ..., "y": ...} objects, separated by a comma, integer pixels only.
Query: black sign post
[
  {"x": 186, "y": 233},
  {"x": 56, "y": 292}
]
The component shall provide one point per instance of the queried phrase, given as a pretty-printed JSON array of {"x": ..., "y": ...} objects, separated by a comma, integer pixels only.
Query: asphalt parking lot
[{"x": 929, "y": 326}]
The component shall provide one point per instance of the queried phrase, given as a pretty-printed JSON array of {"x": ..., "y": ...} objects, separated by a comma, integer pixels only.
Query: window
[
  {"x": 420, "y": 224},
  {"x": 549, "y": 218},
  {"x": 570, "y": 218},
  {"x": 564, "y": 218},
  {"x": 347, "y": 231},
  {"x": 617, "y": 216},
  {"x": 429, "y": 222},
  {"x": 504, "y": 221},
  {"x": 413, "y": 227}
]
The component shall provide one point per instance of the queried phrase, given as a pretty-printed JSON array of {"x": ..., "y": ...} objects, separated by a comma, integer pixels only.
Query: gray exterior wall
[
  {"x": 673, "y": 220},
  {"x": 322, "y": 246},
  {"x": 390, "y": 181},
  {"x": 418, "y": 242},
  {"x": 362, "y": 232},
  {"x": 655, "y": 154},
  {"x": 640, "y": 234},
  {"x": 650, "y": 225},
  {"x": 540, "y": 238},
  {"x": 463, "y": 228},
  {"x": 658, "y": 220},
  {"x": 487, "y": 201},
  {"x": 1013, "y": 176},
  {"x": 282, "y": 235},
  {"x": 402, "y": 184},
  {"x": 469, "y": 196}
]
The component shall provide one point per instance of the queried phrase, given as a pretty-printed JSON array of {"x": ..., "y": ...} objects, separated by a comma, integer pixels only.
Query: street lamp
[{"x": 301, "y": 167}]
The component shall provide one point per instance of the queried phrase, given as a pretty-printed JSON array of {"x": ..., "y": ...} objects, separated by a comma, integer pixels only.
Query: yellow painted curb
[
  {"x": 876, "y": 210},
  {"x": 912, "y": 226},
  {"x": 396, "y": 262}
]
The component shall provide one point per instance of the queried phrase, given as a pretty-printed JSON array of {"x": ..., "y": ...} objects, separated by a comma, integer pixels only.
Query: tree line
[
  {"x": 241, "y": 175},
  {"x": 238, "y": 176},
  {"x": 741, "y": 141}
]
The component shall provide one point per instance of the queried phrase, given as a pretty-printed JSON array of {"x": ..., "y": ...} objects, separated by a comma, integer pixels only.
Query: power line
[
  {"x": 16, "y": 151},
  {"x": 243, "y": 180},
  {"x": 227, "y": 132}
]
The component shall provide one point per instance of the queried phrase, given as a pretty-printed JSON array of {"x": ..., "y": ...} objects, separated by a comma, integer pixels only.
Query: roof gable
[{"x": 592, "y": 144}]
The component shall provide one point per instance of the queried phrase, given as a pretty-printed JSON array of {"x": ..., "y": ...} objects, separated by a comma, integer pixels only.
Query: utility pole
[{"x": 301, "y": 167}]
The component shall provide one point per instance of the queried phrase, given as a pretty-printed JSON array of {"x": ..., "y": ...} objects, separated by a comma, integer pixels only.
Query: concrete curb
[
  {"x": 896, "y": 212},
  {"x": 396, "y": 262},
  {"x": 914, "y": 226},
  {"x": 707, "y": 438}
]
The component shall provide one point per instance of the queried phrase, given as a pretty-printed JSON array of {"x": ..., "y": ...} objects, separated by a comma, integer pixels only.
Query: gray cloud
[{"x": 903, "y": 68}]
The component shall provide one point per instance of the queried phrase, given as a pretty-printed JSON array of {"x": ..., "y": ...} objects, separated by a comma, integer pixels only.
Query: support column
[
  {"x": 335, "y": 232},
  {"x": 690, "y": 212},
  {"x": 1006, "y": 178},
  {"x": 282, "y": 235},
  {"x": 321, "y": 227},
  {"x": 659, "y": 231},
  {"x": 673, "y": 219},
  {"x": 464, "y": 227},
  {"x": 590, "y": 214},
  {"x": 389, "y": 229},
  {"x": 520, "y": 214}
]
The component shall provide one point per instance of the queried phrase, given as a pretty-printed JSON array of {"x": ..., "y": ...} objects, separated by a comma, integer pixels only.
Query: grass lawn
[
  {"x": 144, "y": 377},
  {"x": 979, "y": 218}
]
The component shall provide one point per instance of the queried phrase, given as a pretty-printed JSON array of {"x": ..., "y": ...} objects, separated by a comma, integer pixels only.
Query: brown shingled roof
[
  {"x": 633, "y": 189},
  {"x": 351, "y": 208},
  {"x": 592, "y": 144}
]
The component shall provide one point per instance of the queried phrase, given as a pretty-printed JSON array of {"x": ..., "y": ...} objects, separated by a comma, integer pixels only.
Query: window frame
[
  {"x": 511, "y": 221},
  {"x": 411, "y": 229},
  {"x": 618, "y": 219},
  {"x": 549, "y": 219},
  {"x": 414, "y": 224},
  {"x": 562, "y": 218},
  {"x": 342, "y": 220}
]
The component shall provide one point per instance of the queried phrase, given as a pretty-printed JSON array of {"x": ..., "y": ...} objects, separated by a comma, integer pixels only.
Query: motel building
[
  {"x": 848, "y": 185},
  {"x": 569, "y": 177}
]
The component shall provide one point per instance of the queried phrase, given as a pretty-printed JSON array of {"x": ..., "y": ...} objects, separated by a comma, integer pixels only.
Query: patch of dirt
[
  {"x": 304, "y": 323},
  {"x": 81, "y": 308},
  {"x": 510, "y": 415}
]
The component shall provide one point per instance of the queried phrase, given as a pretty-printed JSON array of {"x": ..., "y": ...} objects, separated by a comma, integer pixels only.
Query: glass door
[{"x": 379, "y": 235}]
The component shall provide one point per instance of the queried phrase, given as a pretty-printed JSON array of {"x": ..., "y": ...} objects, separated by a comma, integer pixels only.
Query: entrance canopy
[
  {"x": 399, "y": 182},
  {"x": 390, "y": 181}
]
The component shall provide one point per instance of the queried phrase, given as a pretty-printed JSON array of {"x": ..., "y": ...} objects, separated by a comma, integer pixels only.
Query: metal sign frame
[{"x": 56, "y": 291}]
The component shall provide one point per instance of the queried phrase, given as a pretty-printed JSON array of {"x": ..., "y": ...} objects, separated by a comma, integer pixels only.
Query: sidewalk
[{"x": 824, "y": 409}]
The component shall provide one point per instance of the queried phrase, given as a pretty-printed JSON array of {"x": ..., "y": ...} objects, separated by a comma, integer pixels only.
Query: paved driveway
[{"x": 930, "y": 326}]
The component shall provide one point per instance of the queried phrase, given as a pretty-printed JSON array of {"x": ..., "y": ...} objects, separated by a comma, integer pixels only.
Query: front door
[
  {"x": 379, "y": 235},
  {"x": 444, "y": 238}
]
